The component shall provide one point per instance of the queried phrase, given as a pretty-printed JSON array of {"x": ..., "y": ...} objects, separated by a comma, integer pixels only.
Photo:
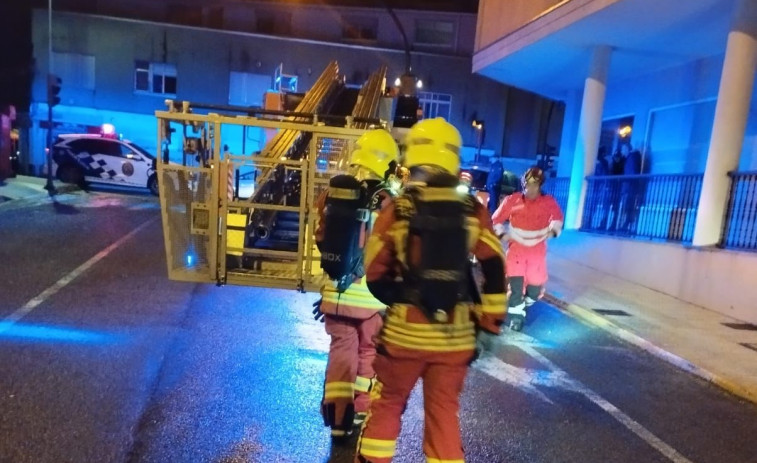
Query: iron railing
[
  {"x": 660, "y": 206},
  {"x": 740, "y": 225},
  {"x": 559, "y": 188}
]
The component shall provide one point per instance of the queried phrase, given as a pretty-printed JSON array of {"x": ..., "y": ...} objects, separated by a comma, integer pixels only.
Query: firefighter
[
  {"x": 417, "y": 263},
  {"x": 533, "y": 217},
  {"x": 351, "y": 314}
]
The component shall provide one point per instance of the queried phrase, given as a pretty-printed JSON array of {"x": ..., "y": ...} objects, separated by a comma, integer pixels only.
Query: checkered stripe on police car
[{"x": 97, "y": 167}]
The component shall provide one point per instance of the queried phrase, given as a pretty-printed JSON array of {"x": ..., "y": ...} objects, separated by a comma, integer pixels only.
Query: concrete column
[
  {"x": 569, "y": 130},
  {"x": 589, "y": 127},
  {"x": 729, "y": 126}
]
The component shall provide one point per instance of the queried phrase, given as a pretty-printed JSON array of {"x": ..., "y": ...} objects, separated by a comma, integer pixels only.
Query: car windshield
[{"x": 478, "y": 181}]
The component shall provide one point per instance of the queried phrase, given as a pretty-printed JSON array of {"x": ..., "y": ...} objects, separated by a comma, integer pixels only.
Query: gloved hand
[
  {"x": 317, "y": 314},
  {"x": 485, "y": 342}
]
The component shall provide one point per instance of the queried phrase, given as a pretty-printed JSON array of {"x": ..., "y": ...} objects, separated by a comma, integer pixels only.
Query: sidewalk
[
  {"x": 23, "y": 187},
  {"x": 690, "y": 337}
]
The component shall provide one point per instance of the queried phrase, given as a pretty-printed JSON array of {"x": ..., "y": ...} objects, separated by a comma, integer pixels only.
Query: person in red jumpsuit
[{"x": 533, "y": 217}]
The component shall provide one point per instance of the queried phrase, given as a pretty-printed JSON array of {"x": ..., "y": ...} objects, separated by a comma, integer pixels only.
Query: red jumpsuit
[
  {"x": 532, "y": 221},
  {"x": 412, "y": 347},
  {"x": 353, "y": 321}
]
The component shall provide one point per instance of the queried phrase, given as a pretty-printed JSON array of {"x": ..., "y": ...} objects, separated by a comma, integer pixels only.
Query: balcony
[{"x": 661, "y": 207}]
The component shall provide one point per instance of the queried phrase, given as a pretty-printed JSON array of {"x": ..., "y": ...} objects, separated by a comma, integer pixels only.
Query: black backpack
[
  {"x": 346, "y": 214},
  {"x": 436, "y": 215}
]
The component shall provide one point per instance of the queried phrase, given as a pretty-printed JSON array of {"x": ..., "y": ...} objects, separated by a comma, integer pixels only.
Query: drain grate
[
  {"x": 615, "y": 313},
  {"x": 741, "y": 326},
  {"x": 749, "y": 345}
]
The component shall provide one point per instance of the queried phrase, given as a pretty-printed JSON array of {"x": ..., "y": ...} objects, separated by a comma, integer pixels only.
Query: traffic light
[{"x": 53, "y": 90}]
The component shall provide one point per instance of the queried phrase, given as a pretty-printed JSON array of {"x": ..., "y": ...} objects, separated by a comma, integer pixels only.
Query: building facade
[
  {"x": 671, "y": 82},
  {"x": 119, "y": 61}
]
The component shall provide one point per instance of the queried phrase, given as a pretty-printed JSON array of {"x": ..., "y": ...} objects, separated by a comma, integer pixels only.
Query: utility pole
[{"x": 49, "y": 185}]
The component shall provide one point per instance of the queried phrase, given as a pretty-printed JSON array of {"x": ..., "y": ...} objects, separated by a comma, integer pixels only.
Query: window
[
  {"x": 435, "y": 33},
  {"x": 359, "y": 28},
  {"x": 96, "y": 146},
  {"x": 273, "y": 22},
  {"x": 246, "y": 89},
  {"x": 155, "y": 78},
  {"x": 75, "y": 71},
  {"x": 435, "y": 105}
]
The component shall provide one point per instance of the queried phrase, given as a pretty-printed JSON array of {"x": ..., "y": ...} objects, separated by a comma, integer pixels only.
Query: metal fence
[
  {"x": 558, "y": 187},
  {"x": 658, "y": 206},
  {"x": 740, "y": 226}
]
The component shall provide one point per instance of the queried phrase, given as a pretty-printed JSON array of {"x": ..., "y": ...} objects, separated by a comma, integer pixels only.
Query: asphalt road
[{"x": 103, "y": 359}]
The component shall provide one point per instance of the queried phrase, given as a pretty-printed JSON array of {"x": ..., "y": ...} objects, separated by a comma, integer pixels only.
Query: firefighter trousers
[
  {"x": 526, "y": 276},
  {"x": 349, "y": 371},
  {"x": 443, "y": 377}
]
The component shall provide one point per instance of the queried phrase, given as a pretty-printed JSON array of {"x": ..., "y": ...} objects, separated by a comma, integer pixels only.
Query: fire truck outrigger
[{"x": 247, "y": 219}]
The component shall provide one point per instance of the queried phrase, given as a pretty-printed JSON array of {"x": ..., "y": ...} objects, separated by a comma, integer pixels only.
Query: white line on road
[
  {"x": 621, "y": 417},
  {"x": 23, "y": 311}
]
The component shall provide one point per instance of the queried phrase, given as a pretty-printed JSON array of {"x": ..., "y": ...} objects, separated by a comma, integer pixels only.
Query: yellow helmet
[
  {"x": 434, "y": 142},
  {"x": 375, "y": 150}
]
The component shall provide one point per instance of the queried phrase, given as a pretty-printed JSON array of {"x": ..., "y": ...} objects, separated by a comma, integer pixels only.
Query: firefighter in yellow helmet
[
  {"x": 351, "y": 314},
  {"x": 417, "y": 263}
]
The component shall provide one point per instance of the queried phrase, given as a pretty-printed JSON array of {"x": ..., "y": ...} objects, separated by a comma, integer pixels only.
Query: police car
[{"x": 104, "y": 159}]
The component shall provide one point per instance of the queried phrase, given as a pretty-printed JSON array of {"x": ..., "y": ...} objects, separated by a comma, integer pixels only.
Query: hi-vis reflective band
[
  {"x": 439, "y": 460},
  {"x": 363, "y": 384},
  {"x": 437, "y": 337},
  {"x": 494, "y": 303},
  {"x": 359, "y": 296},
  {"x": 428, "y": 141},
  {"x": 376, "y": 448},
  {"x": 343, "y": 193},
  {"x": 338, "y": 390},
  {"x": 439, "y": 194},
  {"x": 441, "y": 275}
]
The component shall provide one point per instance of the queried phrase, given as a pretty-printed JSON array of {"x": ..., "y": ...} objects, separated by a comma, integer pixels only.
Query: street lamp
[{"x": 479, "y": 127}]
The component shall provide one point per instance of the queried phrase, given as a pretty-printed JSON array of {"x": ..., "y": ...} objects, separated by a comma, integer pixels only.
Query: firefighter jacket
[
  {"x": 406, "y": 327},
  {"x": 356, "y": 301},
  {"x": 531, "y": 221}
]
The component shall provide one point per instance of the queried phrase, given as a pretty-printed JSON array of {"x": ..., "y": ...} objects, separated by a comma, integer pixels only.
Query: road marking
[
  {"x": 34, "y": 302},
  {"x": 621, "y": 417}
]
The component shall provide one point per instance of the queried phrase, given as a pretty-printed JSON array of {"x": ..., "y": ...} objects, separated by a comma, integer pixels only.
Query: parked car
[
  {"x": 104, "y": 159},
  {"x": 479, "y": 174}
]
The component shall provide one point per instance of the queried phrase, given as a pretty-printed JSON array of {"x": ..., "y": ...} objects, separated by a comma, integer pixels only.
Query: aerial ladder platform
[{"x": 260, "y": 233}]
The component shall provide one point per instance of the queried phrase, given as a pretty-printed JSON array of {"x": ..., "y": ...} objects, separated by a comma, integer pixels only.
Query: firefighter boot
[{"x": 341, "y": 429}]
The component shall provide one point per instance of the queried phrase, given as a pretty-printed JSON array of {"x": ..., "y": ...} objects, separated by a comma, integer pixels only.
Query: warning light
[
  {"x": 108, "y": 131},
  {"x": 624, "y": 131}
]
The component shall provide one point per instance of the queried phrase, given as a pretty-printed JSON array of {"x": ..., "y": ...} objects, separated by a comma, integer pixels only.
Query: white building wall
[{"x": 710, "y": 278}]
